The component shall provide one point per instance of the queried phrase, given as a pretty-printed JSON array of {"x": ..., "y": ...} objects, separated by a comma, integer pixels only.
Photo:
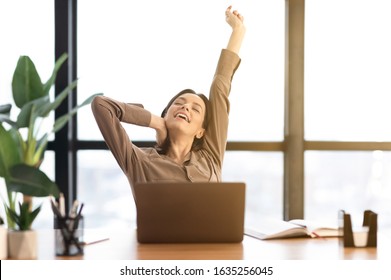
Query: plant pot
[
  {"x": 3, "y": 243},
  {"x": 22, "y": 245}
]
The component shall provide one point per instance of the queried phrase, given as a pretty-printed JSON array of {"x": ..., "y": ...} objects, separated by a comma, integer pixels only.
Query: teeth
[{"x": 183, "y": 116}]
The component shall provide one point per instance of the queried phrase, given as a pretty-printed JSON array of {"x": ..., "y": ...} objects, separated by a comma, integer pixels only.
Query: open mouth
[{"x": 183, "y": 116}]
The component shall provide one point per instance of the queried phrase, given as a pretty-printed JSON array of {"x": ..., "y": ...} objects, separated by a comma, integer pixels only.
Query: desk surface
[{"x": 123, "y": 245}]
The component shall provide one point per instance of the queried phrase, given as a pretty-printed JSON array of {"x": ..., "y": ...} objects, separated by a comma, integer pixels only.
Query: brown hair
[{"x": 198, "y": 142}]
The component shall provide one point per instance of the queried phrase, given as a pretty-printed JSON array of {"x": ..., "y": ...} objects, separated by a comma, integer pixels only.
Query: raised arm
[
  {"x": 235, "y": 20},
  {"x": 216, "y": 136}
]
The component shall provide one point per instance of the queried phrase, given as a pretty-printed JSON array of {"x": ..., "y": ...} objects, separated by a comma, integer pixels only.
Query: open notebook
[
  {"x": 190, "y": 212},
  {"x": 277, "y": 229}
]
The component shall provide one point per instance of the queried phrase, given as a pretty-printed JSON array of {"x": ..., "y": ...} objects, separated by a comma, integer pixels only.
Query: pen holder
[
  {"x": 366, "y": 236},
  {"x": 69, "y": 234}
]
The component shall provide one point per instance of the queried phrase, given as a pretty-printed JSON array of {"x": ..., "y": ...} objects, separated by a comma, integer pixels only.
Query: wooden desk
[{"x": 123, "y": 245}]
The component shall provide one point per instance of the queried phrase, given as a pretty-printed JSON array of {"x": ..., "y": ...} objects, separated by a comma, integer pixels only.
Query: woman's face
[{"x": 186, "y": 115}]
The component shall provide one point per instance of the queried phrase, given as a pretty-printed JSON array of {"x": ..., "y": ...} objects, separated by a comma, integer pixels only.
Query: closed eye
[{"x": 180, "y": 101}]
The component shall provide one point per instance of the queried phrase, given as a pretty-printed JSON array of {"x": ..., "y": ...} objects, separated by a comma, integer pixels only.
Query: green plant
[
  {"x": 25, "y": 217},
  {"x": 23, "y": 144}
]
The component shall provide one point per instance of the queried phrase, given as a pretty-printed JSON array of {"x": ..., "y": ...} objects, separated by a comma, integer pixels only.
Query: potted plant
[
  {"x": 23, "y": 144},
  {"x": 3, "y": 240},
  {"x": 23, "y": 240}
]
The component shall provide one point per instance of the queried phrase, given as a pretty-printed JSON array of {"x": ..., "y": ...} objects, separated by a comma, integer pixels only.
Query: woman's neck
[{"x": 178, "y": 151}]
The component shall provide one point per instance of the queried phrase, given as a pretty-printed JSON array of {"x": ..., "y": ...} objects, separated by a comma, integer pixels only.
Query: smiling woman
[
  {"x": 193, "y": 108},
  {"x": 188, "y": 119},
  {"x": 154, "y": 54}
]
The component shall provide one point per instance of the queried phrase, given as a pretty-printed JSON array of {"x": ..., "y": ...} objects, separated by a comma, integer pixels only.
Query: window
[
  {"x": 27, "y": 28},
  {"x": 347, "y": 97},
  {"x": 350, "y": 180},
  {"x": 263, "y": 174},
  {"x": 347, "y": 70},
  {"x": 150, "y": 55}
]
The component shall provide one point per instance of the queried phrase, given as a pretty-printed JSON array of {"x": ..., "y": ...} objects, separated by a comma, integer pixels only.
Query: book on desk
[{"x": 278, "y": 229}]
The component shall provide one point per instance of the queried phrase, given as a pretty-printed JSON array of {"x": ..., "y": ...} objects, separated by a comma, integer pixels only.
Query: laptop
[{"x": 190, "y": 212}]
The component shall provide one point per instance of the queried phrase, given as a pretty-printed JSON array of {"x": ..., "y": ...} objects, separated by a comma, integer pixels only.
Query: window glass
[
  {"x": 263, "y": 174},
  {"x": 109, "y": 202},
  {"x": 347, "y": 70},
  {"x": 105, "y": 191},
  {"x": 352, "y": 181},
  {"x": 27, "y": 28},
  {"x": 135, "y": 53}
]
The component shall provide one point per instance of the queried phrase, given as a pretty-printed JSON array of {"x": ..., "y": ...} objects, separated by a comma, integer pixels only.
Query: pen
[
  {"x": 81, "y": 208},
  {"x": 55, "y": 208},
  {"x": 62, "y": 204},
  {"x": 73, "y": 211},
  {"x": 84, "y": 243},
  {"x": 77, "y": 218}
]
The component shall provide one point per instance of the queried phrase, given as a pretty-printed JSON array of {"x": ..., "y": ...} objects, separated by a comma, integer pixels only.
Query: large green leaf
[
  {"x": 27, "y": 112},
  {"x": 25, "y": 217},
  {"x": 41, "y": 148},
  {"x": 5, "y": 114},
  {"x": 5, "y": 109},
  {"x": 46, "y": 108},
  {"x": 9, "y": 152},
  {"x": 52, "y": 79},
  {"x": 61, "y": 121},
  {"x": 31, "y": 181},
  {"x": 5, "y": 118},
  {"x": 26, "y": 83},
  {"x": 20, "y": 144}
]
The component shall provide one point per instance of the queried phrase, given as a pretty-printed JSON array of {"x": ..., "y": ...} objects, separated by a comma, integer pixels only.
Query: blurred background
[{"x": 147, "y": 51}]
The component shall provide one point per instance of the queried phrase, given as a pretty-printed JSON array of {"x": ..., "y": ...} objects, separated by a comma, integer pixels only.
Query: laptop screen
[{"x": 190, "y": 212}]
